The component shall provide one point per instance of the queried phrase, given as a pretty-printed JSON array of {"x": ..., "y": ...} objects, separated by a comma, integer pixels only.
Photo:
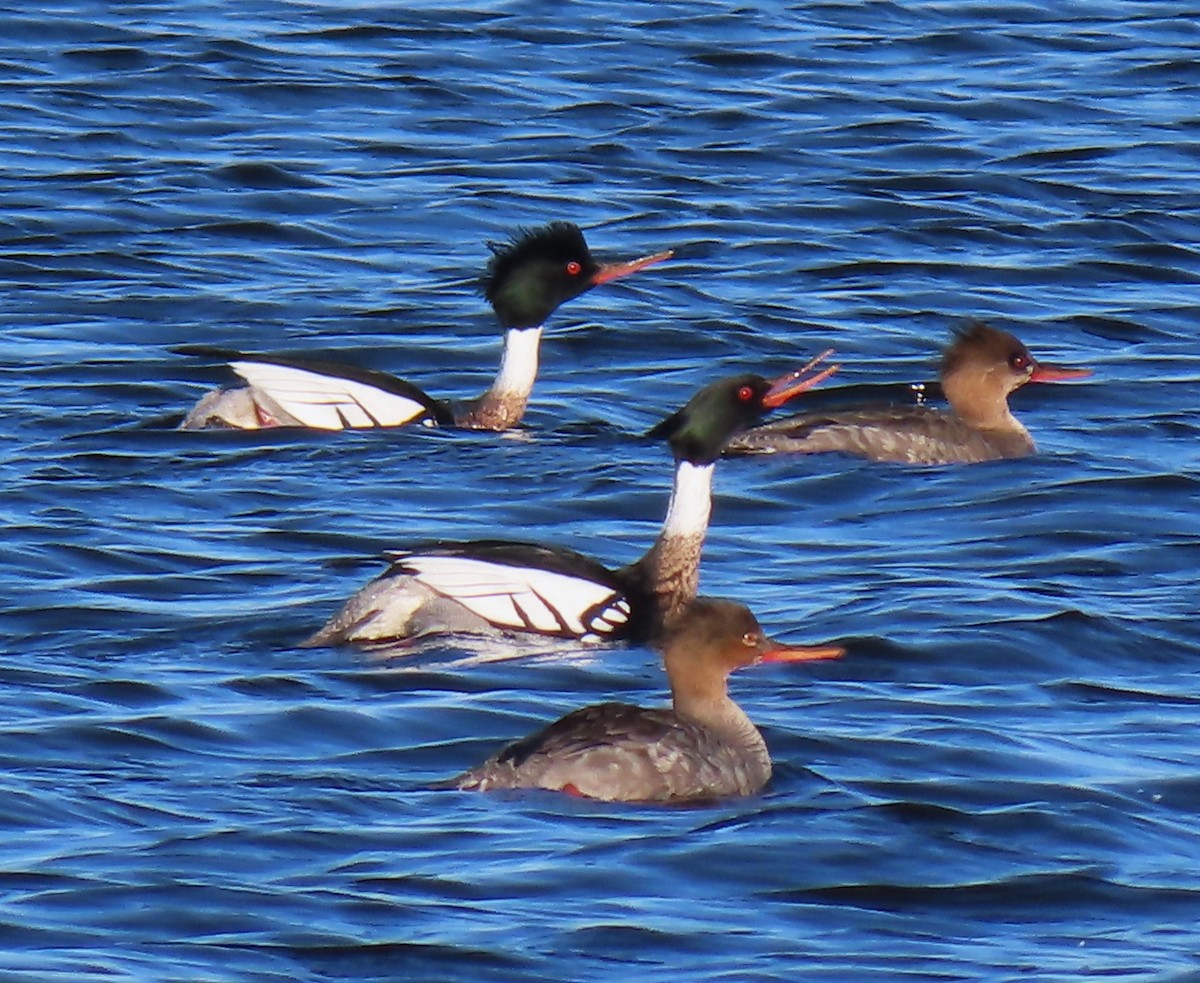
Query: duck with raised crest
[
  {"x": 526, "y": 280},
  {"x": 703, "y": 747},
  {"x": 980, "y": 370},
  {"x": 491, "y": 586}
]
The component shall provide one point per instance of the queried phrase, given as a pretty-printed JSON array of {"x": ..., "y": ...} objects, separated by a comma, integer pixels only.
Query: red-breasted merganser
[
  {"x": 703, "y": 748},
  {"x": 490, "y": 586},
  {"x": 980, "y": 369},
  {"x": 525, "y": 281}
]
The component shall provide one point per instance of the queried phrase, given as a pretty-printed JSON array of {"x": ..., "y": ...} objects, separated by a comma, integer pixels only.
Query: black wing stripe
[
  {"x": 371, "y": 416},
  {"x": 555, "y": 613}
]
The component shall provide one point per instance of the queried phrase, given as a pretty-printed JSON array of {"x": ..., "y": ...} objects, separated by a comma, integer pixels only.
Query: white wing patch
[
  {"x": 524, "y": 598},
  {"x": 327, "y": 402}
]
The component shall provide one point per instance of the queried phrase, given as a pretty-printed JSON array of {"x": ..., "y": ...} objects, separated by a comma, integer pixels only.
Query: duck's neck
[
  {"x": 973, "y": 403},
  {"x": 503, "y": 405},
  {"x": 670, "y": 570},
  {"x": 712, "y": 707}
]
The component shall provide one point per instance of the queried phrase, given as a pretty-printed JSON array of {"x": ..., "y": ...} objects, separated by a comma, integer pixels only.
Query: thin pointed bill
[
  {"x": 794, "y": 383},
  {"x": 1056, "y": 373},
  {"x": 614, "y": 271},
  {"x": 778, "y": 652}
]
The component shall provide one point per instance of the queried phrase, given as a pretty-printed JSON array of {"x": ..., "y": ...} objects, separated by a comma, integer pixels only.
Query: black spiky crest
[{"x": 536, "y": 271}]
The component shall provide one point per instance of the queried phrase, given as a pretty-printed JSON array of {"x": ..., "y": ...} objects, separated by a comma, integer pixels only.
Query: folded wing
[
  {"x": 328, "y": 399},
  {"x": 550, "y": 598}
]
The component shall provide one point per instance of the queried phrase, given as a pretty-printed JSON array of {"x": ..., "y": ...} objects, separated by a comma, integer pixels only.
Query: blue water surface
[{"x": 1000, "y": 781}]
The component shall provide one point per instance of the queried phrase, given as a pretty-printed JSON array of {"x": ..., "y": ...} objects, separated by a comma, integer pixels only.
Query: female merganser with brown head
[
  {"x": 703, "y": 748},
  {"x": 490, "y": 586},
  {"x": 525, "y": 281},
  {"x": 981, "y": 368}
]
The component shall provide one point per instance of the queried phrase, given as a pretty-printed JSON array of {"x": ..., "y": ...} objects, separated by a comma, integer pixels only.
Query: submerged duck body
[
  {"x": 980, "y": 369},
  {"x": 526, "y": 280},
  {"x": 702, "y": 747},
  {"x": 901, "y": 434},
  {"x": 488, "y": 586}
]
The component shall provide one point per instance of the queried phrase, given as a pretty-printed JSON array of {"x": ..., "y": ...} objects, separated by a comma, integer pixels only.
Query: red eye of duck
[
  {"x": 1018, "y": 361},
  {"x": 745, "y": 394},
  {"x": 574, "y": 267}
]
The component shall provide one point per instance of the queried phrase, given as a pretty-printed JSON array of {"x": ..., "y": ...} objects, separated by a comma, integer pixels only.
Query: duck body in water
[
  {"x": 488, "y": 586},
  {"x": 982, "y": 367},
  {"x": 526, "y": 280},
  {"x": 703, "y": 747}
]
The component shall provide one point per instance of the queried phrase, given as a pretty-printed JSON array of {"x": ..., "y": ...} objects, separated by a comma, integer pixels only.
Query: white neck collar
[
  {"x": 519, "y": 363},
  {"x": 691, "y": 500}
]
